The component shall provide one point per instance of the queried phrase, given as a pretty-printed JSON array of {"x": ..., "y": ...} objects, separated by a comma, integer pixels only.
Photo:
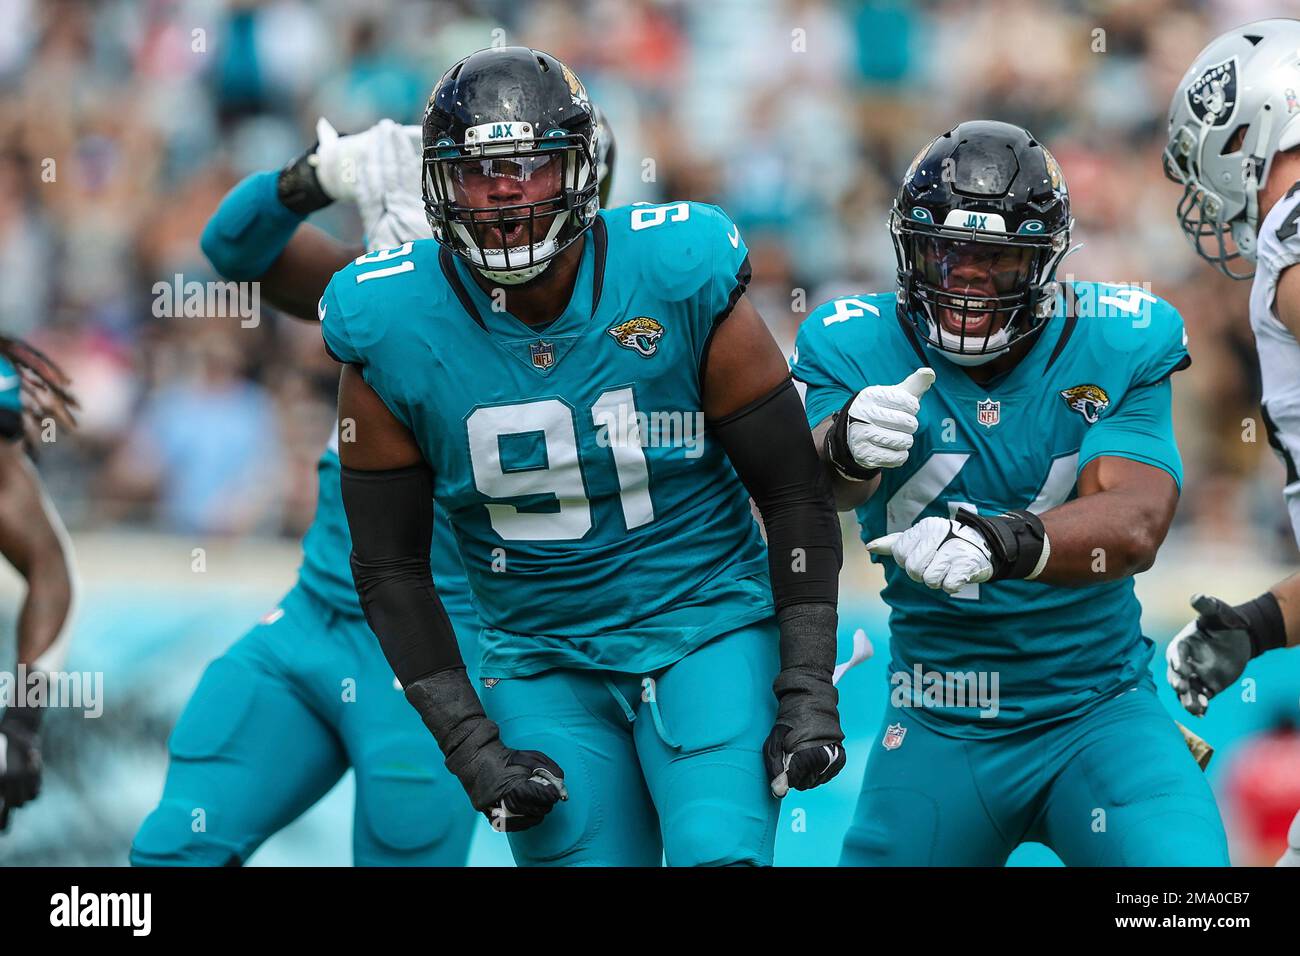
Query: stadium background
[{"x": 123, "y": 123}]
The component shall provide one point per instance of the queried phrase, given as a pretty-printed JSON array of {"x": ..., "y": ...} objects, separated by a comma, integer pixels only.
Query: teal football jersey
[
  {"x": 599, "y": 523},
  {"x": 326, "y": 569},
  {"x": 1095, "y": 383}
]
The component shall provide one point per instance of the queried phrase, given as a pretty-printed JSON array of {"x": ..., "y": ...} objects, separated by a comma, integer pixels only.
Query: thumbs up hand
[{"x": 882, "y": 420}]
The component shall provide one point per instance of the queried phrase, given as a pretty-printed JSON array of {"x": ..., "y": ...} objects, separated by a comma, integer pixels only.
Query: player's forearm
[
  {"x": 769, "y": 446},
  {"x": 254, "y": 236},
  {"x": 45, "y": 608},
  {"x": 32, "y": 540},
  {"x": 296, "y": 280},
  {"x": 390, "y": 514},
  {"x": 390, "y": 517},
  {"x": 1102, "y": 537},
  {"x": 847, "y": 492},
  {"x": 1288, "y": 599}
]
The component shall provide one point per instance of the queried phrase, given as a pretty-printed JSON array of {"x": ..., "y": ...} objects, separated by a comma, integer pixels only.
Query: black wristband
[
  {"x": 837, "y": 448},
  {"x": 1264, "y": 623},
  {"x": 1015, "y": 539},
  {"x": 298, "y": 188}
]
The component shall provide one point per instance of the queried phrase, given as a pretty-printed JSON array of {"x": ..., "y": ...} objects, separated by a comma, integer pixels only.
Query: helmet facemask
[
  {"x": 510, "y": 205},
  {"x": 1221, "y": 231},
  {"x": 972, "y": 295}
]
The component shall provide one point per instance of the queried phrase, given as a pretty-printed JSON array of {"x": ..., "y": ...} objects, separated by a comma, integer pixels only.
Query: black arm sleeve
[
  {"x": 390, "y": 515},
  {"x": 772, "y": 450}
]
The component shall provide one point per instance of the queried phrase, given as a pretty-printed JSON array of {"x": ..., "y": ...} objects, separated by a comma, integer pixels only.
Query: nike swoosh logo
[
  {"x": 10, "y": 381},
  {"x": 832, "y": 754},
  {"x": 320, "y": 310},
  {"x": 734, "y": 236}
]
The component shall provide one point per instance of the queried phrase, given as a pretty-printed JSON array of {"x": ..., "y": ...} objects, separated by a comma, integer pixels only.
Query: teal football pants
[
  {"x": 1115, "y": 786},
  {"x": 663, "y": 766},
  {"x": 275, "y": 723}
]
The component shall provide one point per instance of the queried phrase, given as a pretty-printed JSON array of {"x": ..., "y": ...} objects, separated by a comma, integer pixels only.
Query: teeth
[{"x": 964, "y": 301}]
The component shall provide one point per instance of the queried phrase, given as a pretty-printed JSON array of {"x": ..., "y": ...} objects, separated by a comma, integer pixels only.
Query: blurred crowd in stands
[{"x": 123, "y": 122}]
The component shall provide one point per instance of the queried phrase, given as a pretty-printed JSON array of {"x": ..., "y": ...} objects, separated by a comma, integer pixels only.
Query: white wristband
[{"x": 1042, "y": 559}]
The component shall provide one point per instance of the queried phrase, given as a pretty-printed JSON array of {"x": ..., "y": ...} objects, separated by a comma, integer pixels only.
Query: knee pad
[
  {"x": 708, "y": 833},
  {"x": 217, "y": 712},
  {"x": 177, "y": 832},
  {"x": 177, "y": 835},
  {"x": 572, "y": 825},
  {"x": 410, "y": 810}
]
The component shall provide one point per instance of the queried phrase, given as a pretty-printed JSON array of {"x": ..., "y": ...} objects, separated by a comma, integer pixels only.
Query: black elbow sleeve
[
  {"x": 390, "y": 515},
  {"x": 772, "y": 450}
]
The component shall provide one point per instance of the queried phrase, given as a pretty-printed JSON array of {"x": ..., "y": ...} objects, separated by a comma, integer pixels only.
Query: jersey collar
[{"x": 539, "y": 348}]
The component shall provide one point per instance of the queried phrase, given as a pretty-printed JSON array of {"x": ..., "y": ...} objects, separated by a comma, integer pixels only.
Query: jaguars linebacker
[
  {"x": 1015, "y": 479},
  {"x": 533, "y": 368},
  {"x": 1234, "y": 146}
]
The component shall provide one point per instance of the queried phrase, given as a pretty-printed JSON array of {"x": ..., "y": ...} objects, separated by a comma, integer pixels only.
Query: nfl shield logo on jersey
[
  {"x": 990, "y": 412},
  {"x": 542, "y": 354},
  {"x": 894, "y": 735}
]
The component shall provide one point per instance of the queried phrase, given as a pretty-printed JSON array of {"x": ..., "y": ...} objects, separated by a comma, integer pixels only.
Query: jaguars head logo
[
  {"x": 1088, "y": 400},
  {"x": 577, "y": 92},
  {"x": 1053, "y": 170},
  {"x": 641, "y": 335}
]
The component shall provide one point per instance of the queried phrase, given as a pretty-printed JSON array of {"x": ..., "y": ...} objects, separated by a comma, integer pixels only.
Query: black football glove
[
  {"x": 1211, "y": 652},
  {"x": 805, "y": 748},
  {"x": 20, "y": 759},
  {"x": 514, "y": 789}
]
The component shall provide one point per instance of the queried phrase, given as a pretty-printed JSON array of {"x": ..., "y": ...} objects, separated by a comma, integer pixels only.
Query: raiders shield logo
[
  {"x": 1212, "y": 96},
  {"x": 1088, "y": 400},
  {"x": 641, "y": 335},
  {"x": 542, "y": 354},
  {"x": 989, "y": 412},
  {"x": 894, "y": 735}
]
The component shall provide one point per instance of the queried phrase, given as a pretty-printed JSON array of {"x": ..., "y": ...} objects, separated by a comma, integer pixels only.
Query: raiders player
[{"x": 1234, "y": 146}]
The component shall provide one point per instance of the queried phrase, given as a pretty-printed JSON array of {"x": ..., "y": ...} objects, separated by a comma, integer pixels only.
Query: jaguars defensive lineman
[
  {"x": 1019, "y": 474},
  {"x": 1234, "y": 146},
  {"x": 542, "y": 368},
  {"x": 313, "y": 693}
]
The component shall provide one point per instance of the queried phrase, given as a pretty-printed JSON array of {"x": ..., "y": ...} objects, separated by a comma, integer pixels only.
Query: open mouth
[
  {"x": 508, "y": 236},
  {"x": 972, "y": 320}
]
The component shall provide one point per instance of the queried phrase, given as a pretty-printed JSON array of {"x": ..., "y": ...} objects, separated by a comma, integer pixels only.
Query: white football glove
[
  {"x": 336, "y": 161},
  {"x": 939, "y": 553},
  {"x": 379, "y": 169},
  {"x": 882, "y": 420}
]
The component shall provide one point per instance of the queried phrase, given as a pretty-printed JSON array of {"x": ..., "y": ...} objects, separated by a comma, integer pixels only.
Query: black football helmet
[
  {"x": 514, "y": 129},
  {"x": 979, "y": 227}
]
